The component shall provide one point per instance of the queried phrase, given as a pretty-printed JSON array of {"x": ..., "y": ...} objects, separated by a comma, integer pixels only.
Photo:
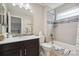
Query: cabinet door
[
  {"x": 31, "y": 51},
  {"x": 31, "y": 47},
  {"x": 11, "y": 49},
  {"x": 13, "y": 52}
]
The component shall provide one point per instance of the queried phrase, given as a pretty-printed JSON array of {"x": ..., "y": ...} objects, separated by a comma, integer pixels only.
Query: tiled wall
[
  {"x": 66, "y": 30},
  {"x": 77, "y": 40}
]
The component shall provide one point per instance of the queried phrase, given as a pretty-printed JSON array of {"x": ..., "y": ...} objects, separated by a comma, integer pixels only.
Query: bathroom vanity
[{"x": 20, "y": 46}]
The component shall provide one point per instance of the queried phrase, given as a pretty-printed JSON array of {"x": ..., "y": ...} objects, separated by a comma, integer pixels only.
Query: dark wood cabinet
[
  {"x": 22, "y": 48},
  {"x": 31, "y": 48}
]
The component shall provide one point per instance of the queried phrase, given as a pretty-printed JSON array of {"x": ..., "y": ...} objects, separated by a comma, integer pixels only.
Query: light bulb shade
[
  {"x": 23, "y": 5},
  {"x": 20, "y": 5},
  {"x": 14, "y": 4}
]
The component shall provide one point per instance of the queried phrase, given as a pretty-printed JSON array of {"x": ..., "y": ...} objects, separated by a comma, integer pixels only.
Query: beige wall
[
  {"x": 38, "y": 21},
  {"x": 45, "y": 21},
  {"x": 66, "y": 32}
]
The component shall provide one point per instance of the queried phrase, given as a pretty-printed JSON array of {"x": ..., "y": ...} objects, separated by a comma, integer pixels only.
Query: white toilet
[
  {"x": 42, "y": 41},
  {"x": 44, "y": 47}
]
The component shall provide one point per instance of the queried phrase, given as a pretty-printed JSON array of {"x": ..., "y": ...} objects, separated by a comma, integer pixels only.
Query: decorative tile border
[{"x": 67, "y": 20}]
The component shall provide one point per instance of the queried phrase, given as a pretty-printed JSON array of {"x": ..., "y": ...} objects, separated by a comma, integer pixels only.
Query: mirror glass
[{"x": 19, "y": 19}]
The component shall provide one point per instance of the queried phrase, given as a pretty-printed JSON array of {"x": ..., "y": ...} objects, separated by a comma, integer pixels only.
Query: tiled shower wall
[
  {"x": 66, "y": 30},
  {"x": 77, "y": 40}
]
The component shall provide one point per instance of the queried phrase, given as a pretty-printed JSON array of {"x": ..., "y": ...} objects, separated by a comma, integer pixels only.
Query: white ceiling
[{"x": 51, "y": 5}]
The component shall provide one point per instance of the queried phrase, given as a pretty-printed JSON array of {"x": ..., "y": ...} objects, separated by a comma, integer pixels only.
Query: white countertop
[{"x": 17, "y": 39}]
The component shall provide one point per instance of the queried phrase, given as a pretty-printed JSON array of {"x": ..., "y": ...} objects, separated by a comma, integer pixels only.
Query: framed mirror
[{"x": 20, "y": 20}]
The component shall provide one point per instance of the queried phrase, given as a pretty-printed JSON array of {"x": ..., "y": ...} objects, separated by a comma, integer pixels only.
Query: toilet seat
[{"x": 46, "y": 45}]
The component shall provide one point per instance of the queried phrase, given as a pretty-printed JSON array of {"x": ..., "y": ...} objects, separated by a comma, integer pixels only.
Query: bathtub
[
  {"x": 66, "y": 46},
  {"x": 62, "y": 45}
]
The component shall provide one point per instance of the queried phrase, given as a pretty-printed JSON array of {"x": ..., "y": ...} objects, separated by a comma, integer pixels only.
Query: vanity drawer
[
  {"x": 10, "y": 46},
  {"x": 12, "y": 52},
  {"x": 31, "y": 43}
]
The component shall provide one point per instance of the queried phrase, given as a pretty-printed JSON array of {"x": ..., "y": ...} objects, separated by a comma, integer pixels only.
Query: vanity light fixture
[
  {"x": 20, "y": 5},
  {"x": 24, "y": 5},
  {"x": 27, "y": 6},
  {"x": 14, "y": 4}
]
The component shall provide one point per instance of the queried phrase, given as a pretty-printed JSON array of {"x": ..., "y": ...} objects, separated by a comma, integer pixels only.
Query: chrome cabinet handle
[
  {"x": 20, "y": 52},
  {"x": 25, "y": 51}
]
